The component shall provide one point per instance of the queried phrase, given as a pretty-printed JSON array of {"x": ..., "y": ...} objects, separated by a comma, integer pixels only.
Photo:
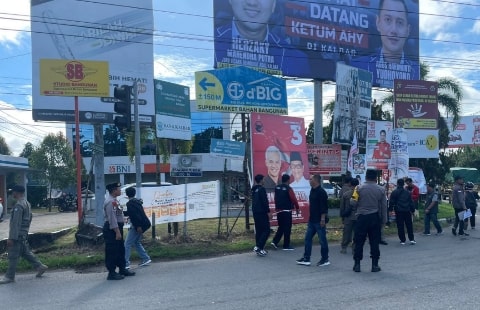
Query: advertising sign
[
  {"x": 325, "y": 159},
  {"x": 80, "y": 78},
  {"x": 466, "y": 133},
  {"x": 352, "y": 105},
  {"x": 307, "y": 38},
  {"x": 278, "y": 148},
  {"x": 416, "y": 104},
  {"x": 422, "y": 143},
  {"x": 398, "y": 165},
  {"x": 182, "y": 165},
  {"x": 379, "y": 139},
  {"x": 172, "y": 111},
  {"x": 240, "y": 90},
  {"x": 112, "y": 31},
  {"x": 227, "y": 149}
]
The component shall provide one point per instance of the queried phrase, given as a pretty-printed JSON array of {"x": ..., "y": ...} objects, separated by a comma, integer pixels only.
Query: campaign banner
[
  {"x": 307, "y": 38},
  {"x": 240, "y": 90},
  {"x": 422, "y": 143},
  {"x": 379, "y": 139},
  {"x": 121, "y": 36},
  {"x": 178, "y": 203},
  {"x": 398, "y": 164},
  {"x": 279, "y": 147},
  {"x": 466, "y": 133},
  {"x": 325, "y": 159},
  {"x": 172, "y": 111},
  {"x": 416, "y": 104},
  {"x": 353, "y": 100}
]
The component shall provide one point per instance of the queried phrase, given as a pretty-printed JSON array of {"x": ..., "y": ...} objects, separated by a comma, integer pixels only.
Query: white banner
[
  {"x": 422, "y": 143},
  {"x": 399, "y": 161},
  {"x": 173, "y": 204},
  {"x": 467, "y": 132}
]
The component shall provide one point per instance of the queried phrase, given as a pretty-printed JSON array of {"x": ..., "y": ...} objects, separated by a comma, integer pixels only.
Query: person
[
  {"x": 470, "y": 203},
  {"x": 139, "y": 223},
  {"x": 250, "y": 27},
  {"x": 261, "y": 212},
  {"x": 401, "y": 202},
  {"x": 431, "y": 210},
  {"x": 297, "y": 168},
  {"x": 347, "y": 212},
  {"x": 285, "y": 201},
  {"x": 317, "y": 221},
  {"x": 382, "y": 148},
  {"x": 113, "y": 235},
  {"x": 1, "y": 209},
  {"x": 17, "y": 242},
  {"x": 414, "y": 192},
  {"x": 390, "y": 61},
  {"x": 273, "y": 161},
  {"x": 458, "y": 203},
  {"x": 371, "y": 213}
]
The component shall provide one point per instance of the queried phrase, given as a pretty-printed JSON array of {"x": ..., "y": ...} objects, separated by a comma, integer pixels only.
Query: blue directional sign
[
  {"x": 227, "y": 149},
  {"x": 240, "y": 90}
]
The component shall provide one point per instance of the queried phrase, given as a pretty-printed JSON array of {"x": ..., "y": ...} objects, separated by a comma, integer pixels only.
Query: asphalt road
[{"x": 440, "y": 272}]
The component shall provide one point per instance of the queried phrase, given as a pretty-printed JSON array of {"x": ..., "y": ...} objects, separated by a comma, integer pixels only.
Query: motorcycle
[{"x": 67, "y": 202}]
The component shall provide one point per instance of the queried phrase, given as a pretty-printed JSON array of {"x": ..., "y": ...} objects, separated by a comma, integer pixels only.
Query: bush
[
  {"x": 36, "y": 194},
  {"x": 334, "y": 203}
]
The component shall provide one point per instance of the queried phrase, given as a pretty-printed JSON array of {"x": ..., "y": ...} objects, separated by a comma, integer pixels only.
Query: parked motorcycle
[{"x": 67, "y": 202}]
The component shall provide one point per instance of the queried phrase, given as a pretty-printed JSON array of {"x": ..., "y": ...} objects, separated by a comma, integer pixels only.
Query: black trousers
[
  {"x": 404, "y": 219},
  {"x": 262, "y": 229},
  {"x": 367, "y": 225},
  {"x": 114, "y": 249},
  {"x": 460, "y": 223},
  {"x": 284, "y": 228}
]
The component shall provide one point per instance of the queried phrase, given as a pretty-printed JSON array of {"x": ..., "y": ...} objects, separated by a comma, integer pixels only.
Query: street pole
[{"x": 138, "y": 155}]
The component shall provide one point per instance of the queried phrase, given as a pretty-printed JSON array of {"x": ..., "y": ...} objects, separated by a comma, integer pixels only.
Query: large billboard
[
  {"x": 307, "y": 38},
  {"x": 112, "y": 31},
  {"x": 466, "y": 133}
]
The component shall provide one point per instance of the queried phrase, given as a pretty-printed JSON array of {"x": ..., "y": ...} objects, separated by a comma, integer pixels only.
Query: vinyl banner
[
  {"x": 416, "y": 104},
  {"x": 398, "y": 165},
  {"x": 172, "y": 111},
  {"x": 325, "y": 159},
  {"x": 352, "y": 105},
  {"x": 278, "y": 148},
  {"x": 422, "y": 143},
  {"x": 379, "y": 139},
  {"x": 307, "y": 38},
  {"x": 182, "y": 202},
  {"x": 112, "y": 31},
  {"x": 467, "y": 132}
]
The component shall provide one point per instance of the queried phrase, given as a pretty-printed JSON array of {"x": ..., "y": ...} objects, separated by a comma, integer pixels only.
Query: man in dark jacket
[
  {"x": 285, "y": 201},
  {"x": 458, "y": 203},
  {"x": 260, "y": 210},
  {"x": 347, "y": 212},
  {"x": 318, "y": 200},
  {"x": 139, "y": 223},
  {"x": 401, "y": 201}
]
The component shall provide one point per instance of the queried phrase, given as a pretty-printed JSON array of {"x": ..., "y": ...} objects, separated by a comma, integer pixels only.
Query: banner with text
[
  {"x": 325, "y": 159},
  {"x": 466, "y": 133},
  {"x": 379, "y": 139}
]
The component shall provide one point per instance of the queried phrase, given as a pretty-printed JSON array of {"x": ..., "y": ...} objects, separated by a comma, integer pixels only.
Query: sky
[{"x": 183, "y": 44}]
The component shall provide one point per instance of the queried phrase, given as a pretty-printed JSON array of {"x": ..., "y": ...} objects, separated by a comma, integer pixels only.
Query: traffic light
[{"x": 123, "y": 107}]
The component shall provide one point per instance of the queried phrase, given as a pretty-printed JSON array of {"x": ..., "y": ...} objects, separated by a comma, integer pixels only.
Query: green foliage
[
  {"x": 114, "y": 142},
  {"x": 202, "y": 140},
  {"x": 27, "y": 150},
  {"x": 334, "y": 203},
  {"x": 4, "y": 149}
]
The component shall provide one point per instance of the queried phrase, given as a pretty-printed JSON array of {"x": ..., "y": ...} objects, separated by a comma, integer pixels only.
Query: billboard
[
  {"x": 416, "y": 104},
  {"x": 307, "y": 38},
  {"x": 240, "y": 90},
  {"x": 466, "y": 133},
  {"x": 279, "y": 147},
  {"x": 110, "y": 31},
  {"x": 325, "y": 159},
  {"x": 353, "y": 101},
  {"x": 422, "y": 143},
  {"x": 172, "y": 111}
]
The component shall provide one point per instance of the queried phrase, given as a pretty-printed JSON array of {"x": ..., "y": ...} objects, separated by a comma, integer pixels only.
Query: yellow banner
[{"x": 62, "y": 77}]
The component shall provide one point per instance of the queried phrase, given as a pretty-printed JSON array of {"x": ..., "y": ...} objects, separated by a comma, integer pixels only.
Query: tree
[
  {"x": 27, "y": 150},
  {"x": 4, "y": 149},
  {"x": 54, "y": 157},
  {"x": 115, "y": 142},
  {"x": 201, "y": 143}
]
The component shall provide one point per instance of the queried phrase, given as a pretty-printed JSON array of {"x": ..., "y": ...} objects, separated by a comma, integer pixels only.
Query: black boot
[
  {"x": 127, "y": 273},
  {"x": 375, "y": 267},
  {"x": 356, "y": 267},
  {"x": 114, "y": 276}
]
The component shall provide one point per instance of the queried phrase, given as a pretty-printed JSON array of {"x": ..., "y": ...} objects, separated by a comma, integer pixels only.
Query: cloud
[
  {"x": 14, "y": 21},
  {"x": 430, "y": 23}
]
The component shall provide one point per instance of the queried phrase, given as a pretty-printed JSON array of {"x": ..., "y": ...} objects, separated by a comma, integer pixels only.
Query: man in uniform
[
  {"x": 17, "y": 243},
  {"x": 113, "y": 235},
  {"x": 371, "y": 215}
]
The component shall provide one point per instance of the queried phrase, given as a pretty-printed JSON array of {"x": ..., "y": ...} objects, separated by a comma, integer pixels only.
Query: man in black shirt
[{"x": 260, "y": 210}]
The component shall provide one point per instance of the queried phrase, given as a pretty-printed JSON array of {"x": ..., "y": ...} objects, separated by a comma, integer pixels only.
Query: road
[{"x": 440, "y": 272}]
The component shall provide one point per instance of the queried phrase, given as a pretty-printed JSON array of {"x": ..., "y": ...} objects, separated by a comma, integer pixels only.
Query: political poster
[
  {"x": 466, "y": 133},
  {"x": 398, "y": 164},
  {"x": 379, "y": 139},
  {"x": 325, "y": 159},
  {"x": 279, "y": 148}
]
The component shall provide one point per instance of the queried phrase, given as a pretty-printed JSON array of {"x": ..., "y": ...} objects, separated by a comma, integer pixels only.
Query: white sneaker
[
  {"x": 6, "y": 280},
  {"x": 145, "y": 263},
  {"x": 41, "y": 270},
  {"x": 413, "y": 242}
]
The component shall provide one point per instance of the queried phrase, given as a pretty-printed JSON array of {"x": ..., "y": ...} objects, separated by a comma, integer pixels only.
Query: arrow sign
[{"x": 204, "y": 84}]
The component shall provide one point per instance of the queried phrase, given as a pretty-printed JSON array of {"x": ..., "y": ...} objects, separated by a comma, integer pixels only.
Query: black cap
[
  {"x": 458, "y": 177},
  {"x": 18, "y": 189},
  {"x": 112, "y": 186},
  {"x": 295, "y": 156}
]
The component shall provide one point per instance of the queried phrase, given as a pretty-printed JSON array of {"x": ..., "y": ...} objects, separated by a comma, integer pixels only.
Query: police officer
[
  {"x": 371, "y": 215},
  {"x": 17, "y": 242},
  {"x": 113, "y": 235},
  {"x": 285, "y": 201}
]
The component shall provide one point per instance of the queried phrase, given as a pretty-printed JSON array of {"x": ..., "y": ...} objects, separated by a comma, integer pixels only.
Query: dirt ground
[{"x": 44, "y": 222}]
